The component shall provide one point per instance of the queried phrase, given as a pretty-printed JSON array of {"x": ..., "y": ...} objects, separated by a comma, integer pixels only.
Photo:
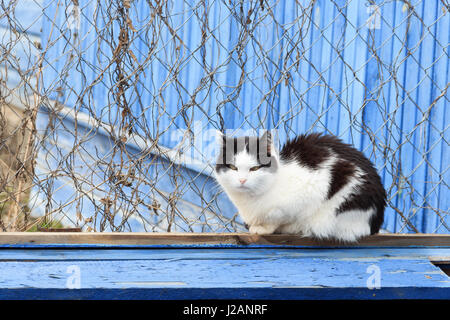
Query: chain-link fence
[{"x": 109, "y": 108}]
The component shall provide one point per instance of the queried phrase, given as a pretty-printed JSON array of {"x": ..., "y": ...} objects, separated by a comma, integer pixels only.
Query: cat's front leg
[
  {"x": 263, "y": 229},
  {"x": 270, "y": 224}
]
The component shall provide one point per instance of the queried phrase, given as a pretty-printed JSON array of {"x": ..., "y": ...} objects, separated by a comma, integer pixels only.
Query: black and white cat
[{"x": 316, "y": 186}]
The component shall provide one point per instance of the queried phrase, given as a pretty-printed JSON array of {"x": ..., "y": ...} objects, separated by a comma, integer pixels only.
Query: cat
[{"x": 315, "y": 186}]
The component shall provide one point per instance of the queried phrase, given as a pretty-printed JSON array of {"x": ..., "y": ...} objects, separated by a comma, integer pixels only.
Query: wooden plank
[
  {"x": 222, "y": 239},
  {"x": 292, "y": 276},
  {"x": 242, "y": 272},
  {"x": 437, "y": 255}
]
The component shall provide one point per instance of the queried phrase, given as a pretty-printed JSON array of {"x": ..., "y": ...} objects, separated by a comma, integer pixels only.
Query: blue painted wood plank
[
  {"x": 197, "y": 277},
  {"x": 223, "y": 253},
  {"x": 216, "y": 273},
  {"x": 176, "y": 246}
]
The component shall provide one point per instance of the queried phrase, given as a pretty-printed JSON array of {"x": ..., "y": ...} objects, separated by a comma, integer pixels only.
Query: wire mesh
[{"x": 109, "y": 108}]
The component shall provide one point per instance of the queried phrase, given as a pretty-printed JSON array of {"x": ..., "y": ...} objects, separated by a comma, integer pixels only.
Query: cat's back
[{"x": 312, "y": 150}]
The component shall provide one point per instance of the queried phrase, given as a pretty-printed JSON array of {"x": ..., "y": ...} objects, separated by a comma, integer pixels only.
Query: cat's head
[{"x": 246, "y": 164}]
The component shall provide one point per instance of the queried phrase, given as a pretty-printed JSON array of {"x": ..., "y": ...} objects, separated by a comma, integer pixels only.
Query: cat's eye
[
  {"x": 232, "y": 167},
  {"x": 255, "y": 168}
]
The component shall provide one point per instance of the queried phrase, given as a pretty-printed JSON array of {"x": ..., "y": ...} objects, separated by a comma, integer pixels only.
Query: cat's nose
[{"x": 242, "y": 181}]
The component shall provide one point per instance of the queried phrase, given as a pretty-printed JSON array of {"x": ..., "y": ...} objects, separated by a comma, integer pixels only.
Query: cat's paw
[{"x": 262, "y": 229}]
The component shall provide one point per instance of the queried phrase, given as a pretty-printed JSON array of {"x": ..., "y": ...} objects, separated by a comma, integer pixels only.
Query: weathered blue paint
[
  {"x": 345, "y": 75},
  {"x": 177, "y": 246},
  {"x": 205, "y": 274},
  {"x": 214, "y": 252}
]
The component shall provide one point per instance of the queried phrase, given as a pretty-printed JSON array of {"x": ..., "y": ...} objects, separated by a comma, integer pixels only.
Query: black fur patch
[
  {"x": 341, "y": 172},
  {"x": 370, "y": 195},
  {"x": 307, "y": 150}
]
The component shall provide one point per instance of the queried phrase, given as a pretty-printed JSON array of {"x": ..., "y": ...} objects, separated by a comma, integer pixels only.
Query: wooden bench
[{"x": 221, "y": 266}]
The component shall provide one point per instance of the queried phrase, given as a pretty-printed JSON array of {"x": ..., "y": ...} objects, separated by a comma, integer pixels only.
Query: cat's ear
[
  {"x": 266, "y": 140},
  {"x": 219, "y": 147}
]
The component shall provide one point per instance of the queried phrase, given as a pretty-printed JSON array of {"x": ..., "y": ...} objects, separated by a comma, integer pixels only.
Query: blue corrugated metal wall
[{"x": 334, "y": 82}]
